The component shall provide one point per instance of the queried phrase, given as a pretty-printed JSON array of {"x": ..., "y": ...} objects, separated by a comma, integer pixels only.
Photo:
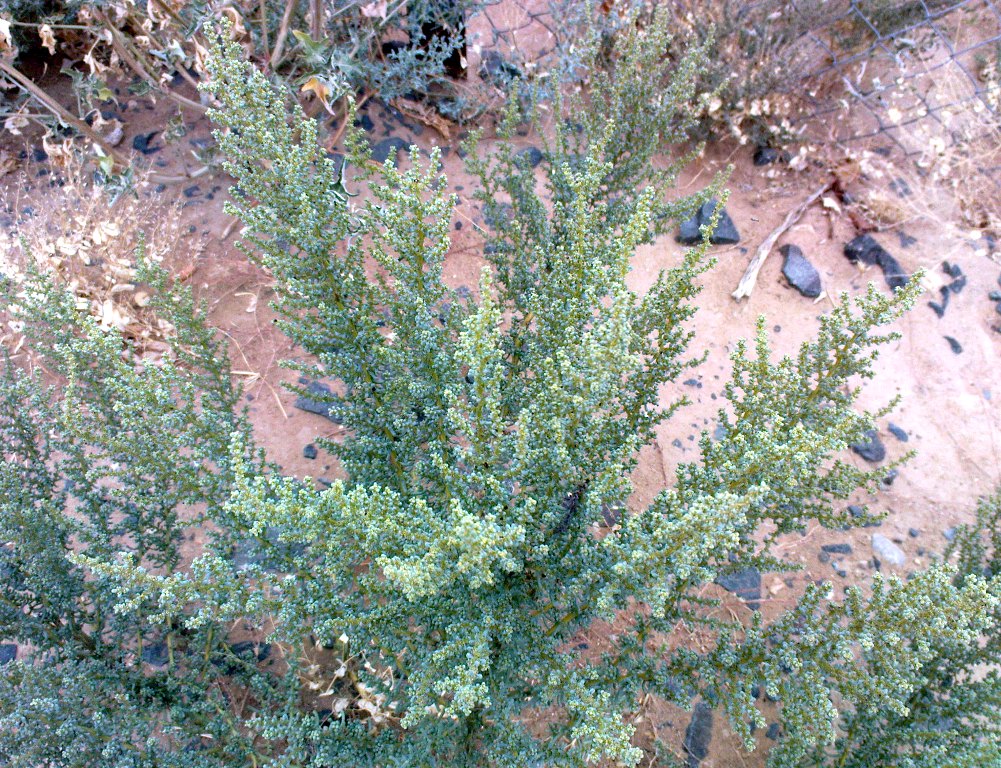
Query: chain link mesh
[
  {"x": 896, "y": 68},
  {"x": 918, "y": 80}
]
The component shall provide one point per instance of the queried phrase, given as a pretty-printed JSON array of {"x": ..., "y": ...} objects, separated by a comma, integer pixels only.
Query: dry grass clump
[
  {"x": 758, "y": 54},
  {"x": 76, "y": 231},
  {"x": 923, "y": 124}
]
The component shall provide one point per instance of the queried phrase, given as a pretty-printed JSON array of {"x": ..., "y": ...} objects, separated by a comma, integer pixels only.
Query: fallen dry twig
[
  {"x": 746, "y": 284},
  {"x": 68, "y": 119}
]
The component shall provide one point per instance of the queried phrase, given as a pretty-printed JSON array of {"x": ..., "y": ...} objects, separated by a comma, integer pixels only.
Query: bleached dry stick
[{"x": 746, "y": 284}]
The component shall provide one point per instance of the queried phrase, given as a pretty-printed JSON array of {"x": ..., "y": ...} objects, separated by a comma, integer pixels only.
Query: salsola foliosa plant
[
  {"x": 104, "y": 459},
  {"x": 951, "y": 715},
  {"x": 427, "y": 607}
]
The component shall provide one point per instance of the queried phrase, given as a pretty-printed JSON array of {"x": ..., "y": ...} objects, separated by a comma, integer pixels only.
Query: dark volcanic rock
[
  {"x": 247, "y": 649},
  {"x": 944, "y": 293},
  {"x": 894, "y": 274},
  {"x": 8, "y": 652},
  {"x": 141, "y": 143},
  {"x": 365, "y": 123},
  {"x": 954, "y": 345},
  {"x": 315, "y": 401},
  {"x": 611, "y": 514},
  {"x": 866, "y": 250},
  {"x": 156, "y": 654},
  {"x": 389, "y": 147},
  {"x": 745, "y": 584},
  {"x": 769, "y": 155},
  {"x": 246, "y": 653},
  {"x": 495, "y": 69},
  {"x": 858, "y": 512},
  {"x": 532, "y": 154},
  {"x": 837, "y": 549},
  {"x": 725, "y": 233},
  {"x": 872, "y": 449},
  {"x": 900, "y": 187},
  {"x": 952, "y": 270},
  {"x": 800, "y": 273},
  {"x": 309, "y": 451},
  {"x": 898, "y": 432},
  {"x": 688, "y": 232},
  {"x": 698, "y": 734}
]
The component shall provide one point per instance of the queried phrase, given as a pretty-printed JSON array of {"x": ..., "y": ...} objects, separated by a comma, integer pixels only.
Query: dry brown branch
[
  {"x": 67, "y": 118},
  {"x": 746, "y": 284},
  {"x": 129, "y": 57},
  {"x": 315, "y": 19},
  {"x": 425, "y": 115},
  {"x": 276, "y": 54},
  {"x": 264, "y": 28}
]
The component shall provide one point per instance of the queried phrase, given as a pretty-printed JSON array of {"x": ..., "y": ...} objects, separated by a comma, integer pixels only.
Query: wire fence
[
  {"x": 915, "y": 81},
  {"x": 922, "y": 75},
  {"x": 906, "y": 70}
]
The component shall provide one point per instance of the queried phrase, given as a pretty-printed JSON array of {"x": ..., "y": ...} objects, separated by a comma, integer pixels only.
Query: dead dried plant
[{"x": 74, "y": 230}]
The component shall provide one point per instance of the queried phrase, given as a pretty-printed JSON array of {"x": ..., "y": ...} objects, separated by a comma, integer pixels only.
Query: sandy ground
[{"x": 950, "y": 401}]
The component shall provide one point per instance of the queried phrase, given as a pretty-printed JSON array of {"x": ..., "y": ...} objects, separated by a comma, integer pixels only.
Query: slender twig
[
  {"x": 276, "y": 54},
  {"x": 68, "y": 119},
  {"x": 169, "y": 11},
  {"x": 344, "y": 125},
  {"x": 53, "y": 25},
  {"x": 128, "y": 56},
  {"x": 183, "y": 72},
  {"x": 265, "y": 44},
  {"x": 263, "y": 380},
  {"x": 750, "y": 277},
  {"x": 315, "y": 19}
]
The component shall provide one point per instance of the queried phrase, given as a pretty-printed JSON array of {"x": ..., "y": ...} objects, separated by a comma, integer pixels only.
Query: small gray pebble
[{"x": 887, "y": 551}]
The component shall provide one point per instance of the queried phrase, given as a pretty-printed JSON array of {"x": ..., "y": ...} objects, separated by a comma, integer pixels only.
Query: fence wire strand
[{"x": 912, "y": 77}]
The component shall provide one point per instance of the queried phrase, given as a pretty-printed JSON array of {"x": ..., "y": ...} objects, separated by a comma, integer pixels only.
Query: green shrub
[
  {"x": 117, "y": 461},
  {"x": 952, "y": 713},
  {"x": 426, "y": 609}
]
